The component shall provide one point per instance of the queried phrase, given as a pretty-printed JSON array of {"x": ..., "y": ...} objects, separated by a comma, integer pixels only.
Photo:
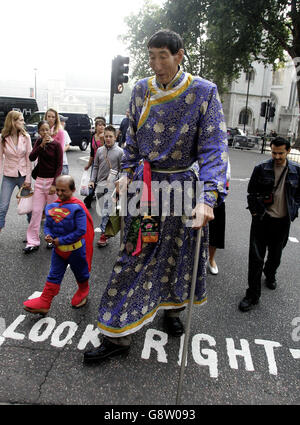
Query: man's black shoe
[
  {"x": 247, "y": 304},
  {"x": 173, "y": 326},
  {"x": 271, "y": 284},
  {"x": 106, "y": 350}
]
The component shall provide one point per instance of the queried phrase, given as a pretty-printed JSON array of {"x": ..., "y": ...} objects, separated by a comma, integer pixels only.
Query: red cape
[{"x": 89, "y": 235}]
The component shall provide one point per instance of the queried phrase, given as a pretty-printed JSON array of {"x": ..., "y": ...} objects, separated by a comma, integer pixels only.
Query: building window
[
  {"x": 245, "y": 117},
  {"x": 278, "y": 77}
]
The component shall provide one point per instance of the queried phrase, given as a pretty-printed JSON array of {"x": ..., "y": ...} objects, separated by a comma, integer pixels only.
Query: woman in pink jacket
[{"x": 15, "y": 147}]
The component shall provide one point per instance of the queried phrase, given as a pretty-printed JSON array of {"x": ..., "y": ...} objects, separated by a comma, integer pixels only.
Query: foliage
[
  {"x": 222, "y": 37},
  {"x": 141, "y": 26}
]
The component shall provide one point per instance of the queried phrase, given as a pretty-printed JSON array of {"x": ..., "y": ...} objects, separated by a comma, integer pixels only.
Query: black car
[
  {"x": 231, "y": 132},
  {"x": 26, "y": 105},
  {"x": 78, "y": 127},
  {"x": 243, "y": 142},
  {"x": 257, "y": 140}
]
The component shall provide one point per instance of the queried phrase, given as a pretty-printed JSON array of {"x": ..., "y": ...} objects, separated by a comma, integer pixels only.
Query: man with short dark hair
[
  {"x": 177, "y": 134},
  {"x": 273, "y": 201}
]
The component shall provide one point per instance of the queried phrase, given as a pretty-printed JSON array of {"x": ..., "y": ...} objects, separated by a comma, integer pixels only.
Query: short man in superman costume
[{"x": 69, "y": 227}]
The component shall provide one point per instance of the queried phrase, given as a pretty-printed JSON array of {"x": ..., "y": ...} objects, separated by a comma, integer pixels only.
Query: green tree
[
  {"x": 140, "y": 27},
  {"x": 222, "y": 37},
  {"x": 262, "y": 30}
]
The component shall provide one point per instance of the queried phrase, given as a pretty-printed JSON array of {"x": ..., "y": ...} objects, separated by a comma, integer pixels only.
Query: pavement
[{"x": 234, "y": 358}]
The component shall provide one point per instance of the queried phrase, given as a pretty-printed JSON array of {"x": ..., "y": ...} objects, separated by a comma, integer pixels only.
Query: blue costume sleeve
[
  {"x": 80, "y": 229},
  {"x": 213, "y": 149},
  {"x": 48, "y": 225}
]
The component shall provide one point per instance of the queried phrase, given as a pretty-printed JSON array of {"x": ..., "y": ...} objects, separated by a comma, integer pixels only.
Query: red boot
[
  {"x": 42, "y": 304},
  {"x": 80, "y": 297}
]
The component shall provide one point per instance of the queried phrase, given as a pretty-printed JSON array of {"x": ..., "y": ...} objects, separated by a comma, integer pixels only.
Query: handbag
[
  {"x": 113, "y": 225},
  {"x": 24, "y": 199},
  {"x": 24, "y": 205},
  {"x": 150, "y": 229},
  {"x": 84, "y": 184}
]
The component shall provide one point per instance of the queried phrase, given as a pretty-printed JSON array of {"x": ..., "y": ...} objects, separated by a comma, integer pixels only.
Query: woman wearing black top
[{"x": 49, "y": 154}]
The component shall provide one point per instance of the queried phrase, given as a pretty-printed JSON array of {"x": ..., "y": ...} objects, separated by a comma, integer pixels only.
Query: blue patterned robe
[{"x": 172, "y": 128}]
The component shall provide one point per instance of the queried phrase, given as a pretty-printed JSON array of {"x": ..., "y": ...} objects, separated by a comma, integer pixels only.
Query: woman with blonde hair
[
  {"x": 56, "y": 130},
  {"x": 15, "y": 147}
]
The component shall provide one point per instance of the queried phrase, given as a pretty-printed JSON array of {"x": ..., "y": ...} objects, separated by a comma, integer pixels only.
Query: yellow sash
[{"x": 156, "y": 96}]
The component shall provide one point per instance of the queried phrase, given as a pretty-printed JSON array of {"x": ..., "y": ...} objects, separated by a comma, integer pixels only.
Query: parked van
[
  {"x": 78, "y": 126},
  {"x": 26, "y": 105}
]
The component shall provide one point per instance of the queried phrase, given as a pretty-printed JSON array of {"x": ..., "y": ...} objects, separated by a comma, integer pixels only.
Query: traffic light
[
  {"x": 272, "y": 111},
  {"x": 263, "y": 108},
  {"x": 119, "y": 73}
]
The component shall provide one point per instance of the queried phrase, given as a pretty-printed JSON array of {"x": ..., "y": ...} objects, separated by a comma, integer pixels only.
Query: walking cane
[{"x": 189, "y": 318}]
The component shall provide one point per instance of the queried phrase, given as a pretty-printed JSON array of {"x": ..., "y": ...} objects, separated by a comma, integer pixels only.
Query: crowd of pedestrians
[{"x": 175, "y": 133}]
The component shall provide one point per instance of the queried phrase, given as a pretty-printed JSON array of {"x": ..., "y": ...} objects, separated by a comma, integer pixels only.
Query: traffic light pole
[
  {"x": 265, "y": 127},
  {"x": 119, "y": 71},
  {"x": 111, "y": 102}
]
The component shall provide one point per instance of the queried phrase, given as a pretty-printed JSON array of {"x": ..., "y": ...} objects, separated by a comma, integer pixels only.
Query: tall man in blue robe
[{"x": 177, "y": 135}]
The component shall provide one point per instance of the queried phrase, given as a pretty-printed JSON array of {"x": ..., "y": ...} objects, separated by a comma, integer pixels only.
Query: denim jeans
[
  {"x": 7, "y": 188},
  {"x": 65, "y": 170},
  {"x": 105, "y": 207}
]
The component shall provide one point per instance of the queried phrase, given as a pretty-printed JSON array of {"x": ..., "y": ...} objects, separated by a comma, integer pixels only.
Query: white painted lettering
[
  {"x": 156, "y": 344},
  {"x": 35, "y": 335},
  {"x": 90, "y": 335},
  {"x": 2, "y": 329},
  {"x": 10, "y": 331},
  {"x": 269, "y": 349},
  {"x": 55, "y": 341},
  {"x": 296, "y": 332},
  {"x": 181, "y": 351},
  {"x": 232, "y": 353},
  {"x": 36, "y": 294},
  {"x": 211, "y": 359},
  {"x": 295, "y": 353}
]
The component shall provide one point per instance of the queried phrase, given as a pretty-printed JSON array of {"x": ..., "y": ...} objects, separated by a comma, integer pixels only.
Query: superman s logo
[{"x": 58, "y": 214}]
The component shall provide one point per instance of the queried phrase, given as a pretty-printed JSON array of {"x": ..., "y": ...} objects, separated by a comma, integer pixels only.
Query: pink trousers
[{"x": 40, "y": 198}]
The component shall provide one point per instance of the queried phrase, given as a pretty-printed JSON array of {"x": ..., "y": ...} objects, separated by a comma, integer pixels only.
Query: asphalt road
[{"x": 234, "y": 358}]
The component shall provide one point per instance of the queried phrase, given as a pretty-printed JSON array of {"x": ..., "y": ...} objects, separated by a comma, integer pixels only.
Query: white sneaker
[{"x": 213, "y": 270}]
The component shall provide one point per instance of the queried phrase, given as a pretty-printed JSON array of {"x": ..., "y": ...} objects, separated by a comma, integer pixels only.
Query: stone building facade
[{"x": 242, "y": 103}]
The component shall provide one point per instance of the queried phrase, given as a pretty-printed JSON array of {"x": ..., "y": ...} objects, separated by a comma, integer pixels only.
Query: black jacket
[{"x": 262, "y": 182}]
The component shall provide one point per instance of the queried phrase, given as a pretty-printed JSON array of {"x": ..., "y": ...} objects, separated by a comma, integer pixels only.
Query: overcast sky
[{"x": 60, "y": 37}]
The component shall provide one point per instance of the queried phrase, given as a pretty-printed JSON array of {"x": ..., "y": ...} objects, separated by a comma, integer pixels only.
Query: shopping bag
[
  {"x": 113, "y": 226},
  {"x": 24, "y": 205},
  {"x": 84, "y": 184}
]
